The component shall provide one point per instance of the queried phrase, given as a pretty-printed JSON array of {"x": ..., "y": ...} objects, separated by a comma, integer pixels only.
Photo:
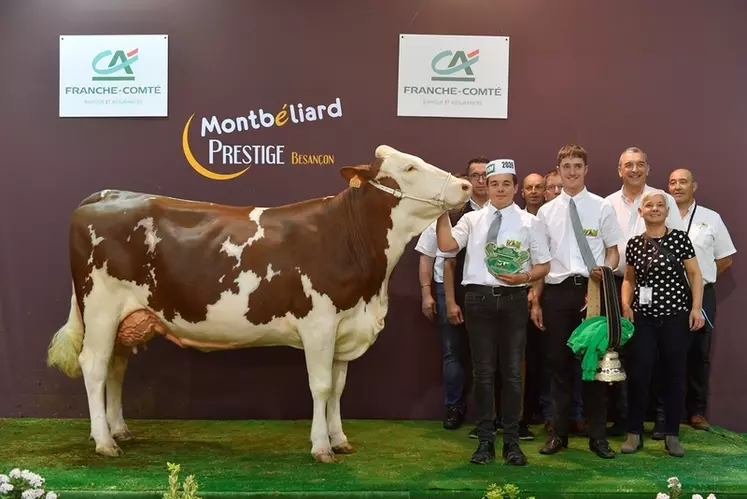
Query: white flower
[
  {"x": 4, "y": 479},
  {"x": 32, "y": 494},
  {"x": 711, "y": 496},
  {"x": 51, "y": 495},
  {"x": 674, "y": 483},
  {"x": 15, "y": 473},
  {"x": 662, "y": 495},
  {"x": 697, "y": 496},
  {"x": 5, "y": 488},
  {"x": 32, "y": 478}
]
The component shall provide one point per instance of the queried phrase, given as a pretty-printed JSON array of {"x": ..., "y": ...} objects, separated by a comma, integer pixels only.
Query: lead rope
[{"x": 438, "y": 201}]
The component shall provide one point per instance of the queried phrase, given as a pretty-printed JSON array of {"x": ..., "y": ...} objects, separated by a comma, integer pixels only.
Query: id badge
[{"x": 646, "y": 295}]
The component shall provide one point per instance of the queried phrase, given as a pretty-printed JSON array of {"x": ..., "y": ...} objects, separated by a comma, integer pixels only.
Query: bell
[{"x": 609, "y": 368}]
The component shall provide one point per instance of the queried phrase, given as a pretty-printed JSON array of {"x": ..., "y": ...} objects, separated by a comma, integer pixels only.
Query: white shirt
[
  {"x": 631, "y": 222},
  {"x": 520, "y": 229},
  {"x": 710, "y": 238},
  {"x": 599, "y": 221},
  {"x": 428, "y": 245}
]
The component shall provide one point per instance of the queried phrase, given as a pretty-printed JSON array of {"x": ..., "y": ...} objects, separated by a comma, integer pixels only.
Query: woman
[{"x": 666, "y": 310}]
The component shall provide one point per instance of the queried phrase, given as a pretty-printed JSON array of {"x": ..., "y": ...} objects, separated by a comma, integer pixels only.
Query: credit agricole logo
[
  {"x": 119, "y": 67},
  {"x": 228, "y": 142},
  {"x": 458, "y": 68}
]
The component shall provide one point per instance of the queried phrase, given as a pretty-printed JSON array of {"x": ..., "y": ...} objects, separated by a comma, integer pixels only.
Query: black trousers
[
  {"x": 619, "y": 390},
  {"x": 698, "y": 366},
  {"x": 497, "y": 327},
  {"x": 670, "y": 337},
  {"x": 699, "y": 360},
  {"x": 561, "y": 310}
]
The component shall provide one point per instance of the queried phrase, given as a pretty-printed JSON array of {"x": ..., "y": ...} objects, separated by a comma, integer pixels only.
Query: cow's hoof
[
  {"x": 324, "y": 457},
  {"x": 111, "y": 450},
  {"x": 123, "y": 436},
  {"x": 345, "y": 448}
]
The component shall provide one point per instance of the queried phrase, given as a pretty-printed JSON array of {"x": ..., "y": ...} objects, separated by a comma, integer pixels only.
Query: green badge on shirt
[{"x": 505, "y": 259}]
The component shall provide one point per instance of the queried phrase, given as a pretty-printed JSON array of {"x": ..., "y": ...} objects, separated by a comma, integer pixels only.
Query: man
[
  {"x": 713, "y": 250},
  {"x": 453, "y": 341},
  {"x": 533, "y": 192},
  {"x": 553, "y": 185},
  {"x": 633, "y": 168},
  {"x": 506, "y": 251},
  {"x": 584, "y": 235},
  {"x": 453, "y": 335}
]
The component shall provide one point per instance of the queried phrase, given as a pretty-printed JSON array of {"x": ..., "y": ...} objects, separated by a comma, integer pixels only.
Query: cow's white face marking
[
  {"x": 423, "y": 180},
  {"x": 151, "y": 238},
  {"x": 95, "y": 241}
]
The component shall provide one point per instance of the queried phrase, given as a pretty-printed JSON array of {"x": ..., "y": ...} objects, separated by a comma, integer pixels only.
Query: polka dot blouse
[{"x": 655, "y": 270}]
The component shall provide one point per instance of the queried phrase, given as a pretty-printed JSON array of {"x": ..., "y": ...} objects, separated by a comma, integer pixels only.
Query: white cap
[{"x": 500, "y": 166}]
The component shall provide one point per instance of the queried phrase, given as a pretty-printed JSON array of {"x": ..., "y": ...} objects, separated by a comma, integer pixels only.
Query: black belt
[
  {"x": 496, "y": 290},
  {"x": 709, "y": 285},
  {"x": 574, "y": 280}
]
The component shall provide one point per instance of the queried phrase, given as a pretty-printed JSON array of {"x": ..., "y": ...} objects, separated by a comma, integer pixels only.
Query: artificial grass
[{"x": 393, "y": 459}]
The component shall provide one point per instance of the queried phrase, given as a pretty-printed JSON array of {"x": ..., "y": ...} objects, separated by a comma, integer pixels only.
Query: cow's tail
[{"x": 67, "y": 343}]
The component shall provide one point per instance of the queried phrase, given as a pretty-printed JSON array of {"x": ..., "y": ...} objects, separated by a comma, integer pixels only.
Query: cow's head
[{"x": 425, "y": 190}]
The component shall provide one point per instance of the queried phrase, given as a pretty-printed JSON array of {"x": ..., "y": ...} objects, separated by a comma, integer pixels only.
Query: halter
[{"x": 438, "y": 201}]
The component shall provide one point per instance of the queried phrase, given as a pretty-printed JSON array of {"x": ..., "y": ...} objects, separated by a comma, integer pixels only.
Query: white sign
[
  {"x": 114, "y": 75},
  {"x": 453, "y": 76}
]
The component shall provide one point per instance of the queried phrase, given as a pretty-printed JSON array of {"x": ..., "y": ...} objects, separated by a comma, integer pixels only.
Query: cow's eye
[{"x": 410, "y": 168}]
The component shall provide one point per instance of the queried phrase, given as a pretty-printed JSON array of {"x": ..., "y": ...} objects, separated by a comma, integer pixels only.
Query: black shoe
[
  {"x": 473, "y": 433},
  {"x": 601, "y": 448},
  {"x": 554, "y": 444},
  {"x": 454, "y": 418},
  {"x": 484, "y": 454},
  {"x": 524, "y": 432},
  {"x": 658, "y": 433},
  {"x": 513, "y": 455}
]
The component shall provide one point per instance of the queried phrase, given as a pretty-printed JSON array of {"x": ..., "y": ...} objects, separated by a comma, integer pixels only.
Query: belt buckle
[
  {"x": 578, "y": 280},
  {"x": 495, "y": 291}
]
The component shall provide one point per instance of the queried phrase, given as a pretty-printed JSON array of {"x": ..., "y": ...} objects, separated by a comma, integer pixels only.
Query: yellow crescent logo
[{"x": 196, "y": 165}]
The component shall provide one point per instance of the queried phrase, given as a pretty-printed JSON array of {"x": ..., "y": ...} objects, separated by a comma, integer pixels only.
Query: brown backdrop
[{"x": 669, "y": 76}]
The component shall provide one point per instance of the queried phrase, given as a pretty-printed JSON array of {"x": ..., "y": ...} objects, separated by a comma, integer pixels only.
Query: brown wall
[{"x": 669, "y": 76}]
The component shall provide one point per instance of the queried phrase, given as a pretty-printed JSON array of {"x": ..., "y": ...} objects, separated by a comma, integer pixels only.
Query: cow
[{"x": 312, "y": 275}]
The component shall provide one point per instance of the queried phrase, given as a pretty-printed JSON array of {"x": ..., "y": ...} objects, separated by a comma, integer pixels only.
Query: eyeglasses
[{"x": 478, "y": 176}]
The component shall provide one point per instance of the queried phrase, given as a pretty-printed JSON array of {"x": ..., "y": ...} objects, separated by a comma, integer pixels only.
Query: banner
[
  {"x": 453, "y": 76},
  {"x": 114, "y": 75}
]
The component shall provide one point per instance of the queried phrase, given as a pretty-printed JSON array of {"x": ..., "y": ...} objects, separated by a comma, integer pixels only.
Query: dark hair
[{"x": 478, "y": 159}]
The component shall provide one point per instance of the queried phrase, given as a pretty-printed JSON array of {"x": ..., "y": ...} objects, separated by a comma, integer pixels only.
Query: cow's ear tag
[{"x": 355, "y": 182}]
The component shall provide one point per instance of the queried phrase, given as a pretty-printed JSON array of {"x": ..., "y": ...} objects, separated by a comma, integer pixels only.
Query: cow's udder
[{"x": 142, "y": 325}]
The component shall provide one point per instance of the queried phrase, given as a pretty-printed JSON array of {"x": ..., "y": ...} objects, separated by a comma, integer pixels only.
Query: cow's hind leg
[
  {"x": 337, "y": 437},
  {"x": 94, "y": 358},
  {"x": 114, "y": 415},
  {"x": 319, "y": 367}
]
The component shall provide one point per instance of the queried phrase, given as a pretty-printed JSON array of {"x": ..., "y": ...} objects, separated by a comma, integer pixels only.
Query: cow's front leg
[
  {"x": 319, "y": 367},
  {"x": 337, "y": 437}
]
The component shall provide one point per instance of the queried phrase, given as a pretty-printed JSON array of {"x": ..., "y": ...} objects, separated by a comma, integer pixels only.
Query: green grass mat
[{"x": 394, "y": 459}]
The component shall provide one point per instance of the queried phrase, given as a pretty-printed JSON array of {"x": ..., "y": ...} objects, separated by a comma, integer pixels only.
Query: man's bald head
[
  {"x": 682, "y": 186},
  {"x": 533, "y": 191}
]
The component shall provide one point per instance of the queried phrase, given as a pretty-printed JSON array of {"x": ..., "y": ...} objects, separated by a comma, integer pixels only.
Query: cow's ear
[{"x": 357, "y": 175}]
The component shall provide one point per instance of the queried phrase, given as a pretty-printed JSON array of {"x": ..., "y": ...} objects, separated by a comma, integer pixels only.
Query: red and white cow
[{"x": 311, "y": 275}]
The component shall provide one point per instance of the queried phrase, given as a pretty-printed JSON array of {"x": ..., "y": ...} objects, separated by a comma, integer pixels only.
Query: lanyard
[{"x": 690, "y": 224}]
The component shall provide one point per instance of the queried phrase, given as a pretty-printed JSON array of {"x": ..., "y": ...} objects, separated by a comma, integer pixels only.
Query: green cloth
[{"x": 590, "y": 338}]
